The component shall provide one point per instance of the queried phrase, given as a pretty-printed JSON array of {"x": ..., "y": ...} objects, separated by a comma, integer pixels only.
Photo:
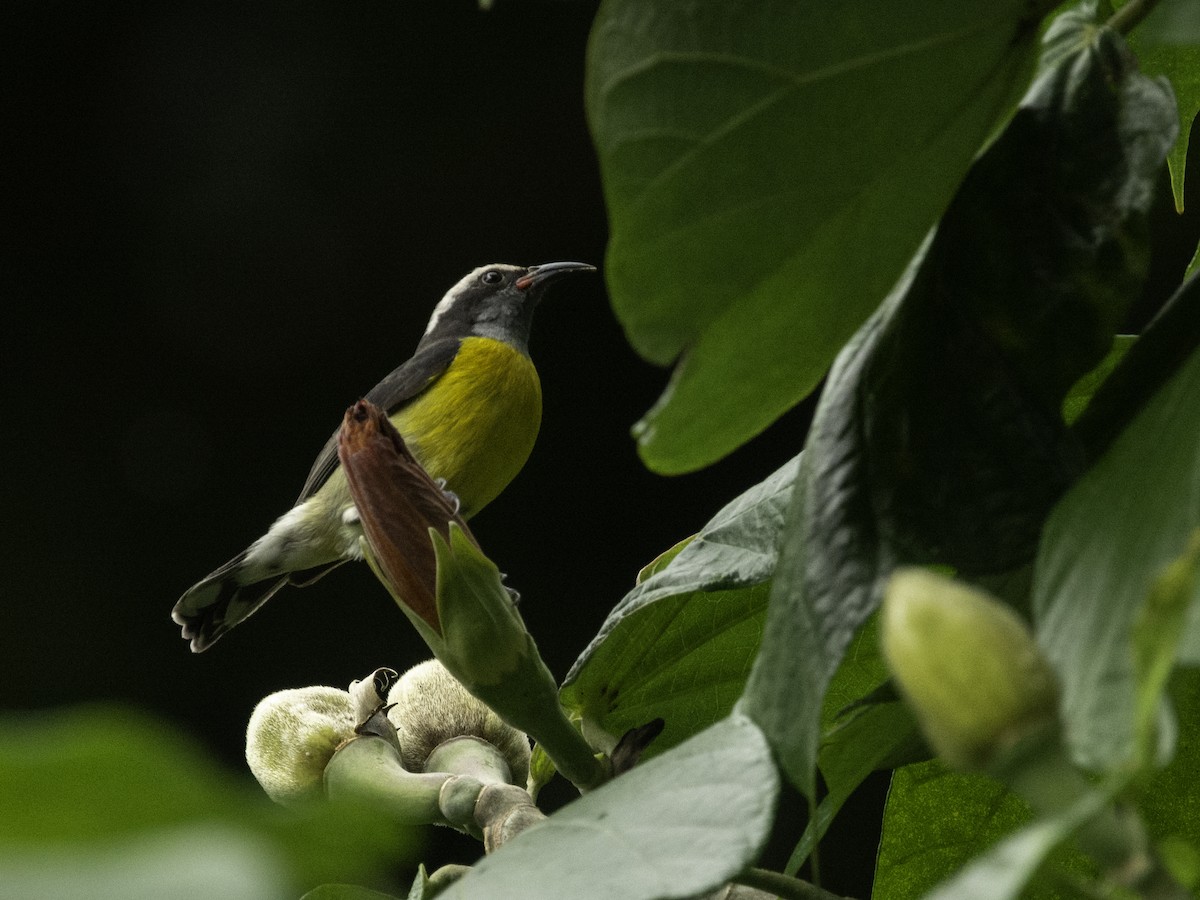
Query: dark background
[{"x": 226, "y": 223}]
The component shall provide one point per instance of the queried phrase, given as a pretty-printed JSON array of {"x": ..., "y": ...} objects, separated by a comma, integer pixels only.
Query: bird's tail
[{"x": 219, "y": 601}]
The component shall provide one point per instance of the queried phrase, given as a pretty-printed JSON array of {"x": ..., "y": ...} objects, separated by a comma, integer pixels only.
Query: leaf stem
[
  {"x": 780, "y": 885},
  {"x": 1125, "y": 19}
]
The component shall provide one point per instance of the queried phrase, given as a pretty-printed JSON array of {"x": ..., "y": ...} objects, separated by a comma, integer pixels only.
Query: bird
[{"x": 468, "y": 404}]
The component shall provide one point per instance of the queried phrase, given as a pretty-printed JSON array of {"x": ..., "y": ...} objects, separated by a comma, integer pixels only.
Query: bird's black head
[{"x": 497, "y": 301}]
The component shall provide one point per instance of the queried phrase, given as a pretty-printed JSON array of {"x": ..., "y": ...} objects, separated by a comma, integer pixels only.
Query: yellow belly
[{"x": 475, "y": 426}]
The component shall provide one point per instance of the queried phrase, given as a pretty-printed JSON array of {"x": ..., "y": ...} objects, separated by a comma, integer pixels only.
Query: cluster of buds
[
  {"x": 428, "y": 751},
  {"x": 446, "y": 743}
]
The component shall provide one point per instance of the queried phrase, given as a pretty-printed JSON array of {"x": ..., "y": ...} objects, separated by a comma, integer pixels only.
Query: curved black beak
[{"x": 540, "y": 276}]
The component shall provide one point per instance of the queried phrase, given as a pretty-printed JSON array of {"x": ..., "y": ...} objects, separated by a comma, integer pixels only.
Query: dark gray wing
[{"x": 404, "y": 383}]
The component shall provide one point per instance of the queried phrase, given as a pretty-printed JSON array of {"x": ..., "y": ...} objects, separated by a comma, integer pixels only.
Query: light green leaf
[
  {"x": 680, "y": 645},
  {"x": 769, "y": 170},
  {"x": 1102, "y": 549},
  {"x": 673, "y": 827}
]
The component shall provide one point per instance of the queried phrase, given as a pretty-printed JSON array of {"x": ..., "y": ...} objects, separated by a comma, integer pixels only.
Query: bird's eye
[{"x": 491, "y": 276}]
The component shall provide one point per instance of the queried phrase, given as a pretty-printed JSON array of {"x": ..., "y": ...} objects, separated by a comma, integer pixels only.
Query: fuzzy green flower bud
[
  {"x": 291, "y": 737},
  {"x": 430, "y": 707},
  {"x": 967, "y": 665}
]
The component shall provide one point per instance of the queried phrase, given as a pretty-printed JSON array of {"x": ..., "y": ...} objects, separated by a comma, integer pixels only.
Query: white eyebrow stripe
[{"x": 438, "y": 311}]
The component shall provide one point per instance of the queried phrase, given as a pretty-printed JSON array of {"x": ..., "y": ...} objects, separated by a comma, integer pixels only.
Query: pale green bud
[
  {"x": 432, "y": 707},
  {"x": 292, "y": 735},
  {"x": 967, "y": 664}
]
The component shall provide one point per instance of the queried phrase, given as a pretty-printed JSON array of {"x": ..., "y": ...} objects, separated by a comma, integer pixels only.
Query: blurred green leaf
[
  {"x": 1169, "y": 801},
  {"x": 189, "y": 862},
  {"x": 936, "y": 821},
  {"x": 1179, "y": 62},
  {"x": 1108, "y": 540},
  {"x": 675, "y": 826},
  {"x": 1171, "y": 22},
  {"x": 680, "y": 645},
  {"x": 768, "y": 173},
  {"x": 1167, "y": 43},
  {"x": 1082, "y": 391},
  {"x": 939, "y": 436},
  {"x": 114, "y": 796},
  {"x": 1157, "y": 633}
]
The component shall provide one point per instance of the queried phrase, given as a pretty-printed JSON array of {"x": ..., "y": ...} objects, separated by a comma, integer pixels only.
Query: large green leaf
[
  {"x": 675, "y": 826},
  {"x": 680, "y": 645},
  {"x": 109, "y": 803},
  {"x": 769, "y": 169},
  {"x": 1103, "y": 548},
  {"x": 1007, "y": 868},
  {"x": 936, "y": 821},
  {"x": 939, "y": 437}
]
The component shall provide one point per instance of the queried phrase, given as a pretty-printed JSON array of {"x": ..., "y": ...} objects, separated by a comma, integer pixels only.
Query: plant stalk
[
  {"x": 1125, "y": 19},
  {"x": 784, "y": 886}
]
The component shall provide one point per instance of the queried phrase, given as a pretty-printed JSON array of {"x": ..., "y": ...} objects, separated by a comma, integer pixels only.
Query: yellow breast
[{"x": 475, "y": 426}]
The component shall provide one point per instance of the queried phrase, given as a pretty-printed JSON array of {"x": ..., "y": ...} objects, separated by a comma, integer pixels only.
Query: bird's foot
[
  {"x": 449, "y": 494},
  {"x": 513, "y": 593}
]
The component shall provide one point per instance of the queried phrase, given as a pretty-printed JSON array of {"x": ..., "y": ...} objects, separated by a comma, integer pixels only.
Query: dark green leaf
[
  {"x": 1170, "y": 801},
  {"x": 880, "y": 736},
  {"x": 1150, "y": 362},
  {"x": 936, "y": 821},
  {"x": 1081, "y": 393},
  {"x": 680, "y": 644},
  {"x": 863, "y": 729},
  {"x": 675, "y": 826},
  {"x": 1103, "y": 548},
  {"x": 947, "y": 819},
  {"x": 103, "y": 799},
  {"x": 939, "y": 436},
  {"x": 768, "y": 171}
]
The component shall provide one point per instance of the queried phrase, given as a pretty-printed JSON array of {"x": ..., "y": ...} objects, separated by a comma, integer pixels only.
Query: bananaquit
[{"x": 468, "y": 404}]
